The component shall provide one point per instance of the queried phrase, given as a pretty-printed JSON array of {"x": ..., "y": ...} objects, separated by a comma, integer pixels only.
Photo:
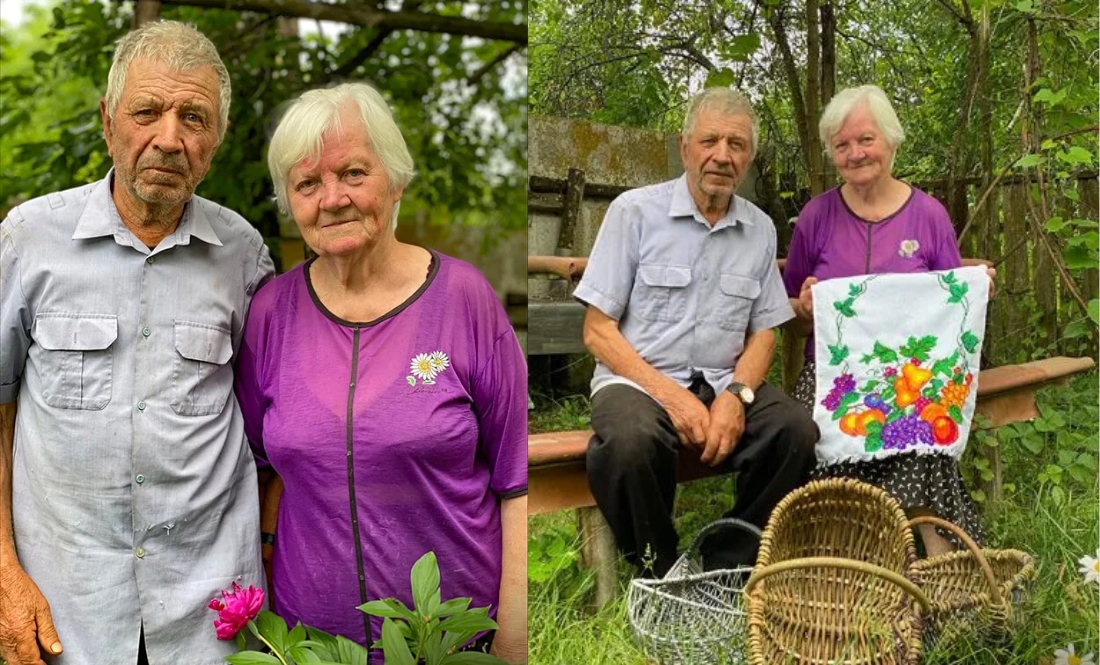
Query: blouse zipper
[
  {"x": 867, "y": 264},
  {"x": 351, "y": 481}
]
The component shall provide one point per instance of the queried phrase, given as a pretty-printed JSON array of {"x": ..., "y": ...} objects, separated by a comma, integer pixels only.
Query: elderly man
[
  {"x": 130, "y": 500},
  {"x": 683, "y": 295}
]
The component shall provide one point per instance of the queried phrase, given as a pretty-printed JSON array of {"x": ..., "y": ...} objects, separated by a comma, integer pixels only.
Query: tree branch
[
  {"x": 488, "y": 67},
  {"x": 372, "y": 18}
]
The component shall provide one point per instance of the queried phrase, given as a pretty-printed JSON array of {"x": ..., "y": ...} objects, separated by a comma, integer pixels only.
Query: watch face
[{"x": 747, "y": 395}]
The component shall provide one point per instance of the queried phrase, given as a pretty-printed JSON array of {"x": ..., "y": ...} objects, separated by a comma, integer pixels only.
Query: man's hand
[
  {"x": 727, "y": 424},
  {"x": 806, "y": 299},
  {"x": 24, "y": 618},
  {"x": 689, "y": 417}
]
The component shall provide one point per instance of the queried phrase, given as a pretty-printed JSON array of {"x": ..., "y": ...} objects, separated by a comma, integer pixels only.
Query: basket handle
[
  {"x": 836, "y": 562},
  {"x": 724, "y": 522},
  {"x": 979, "y": 556}
]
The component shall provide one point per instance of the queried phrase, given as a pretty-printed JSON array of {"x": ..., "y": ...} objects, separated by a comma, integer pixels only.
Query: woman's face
[
  {"x": 342, "y": 200},
  {"x": 860, "y": 151}
]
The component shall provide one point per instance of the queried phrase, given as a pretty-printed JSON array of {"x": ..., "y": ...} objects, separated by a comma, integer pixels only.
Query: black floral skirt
[{"x": 916, "y": 481}]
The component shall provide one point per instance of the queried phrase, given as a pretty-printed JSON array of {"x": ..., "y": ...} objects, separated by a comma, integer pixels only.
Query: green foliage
[
  {"x": 464, "y": 122},
  {"x": 432, "y": 630},
  {"x": 1057, "y": 527}
]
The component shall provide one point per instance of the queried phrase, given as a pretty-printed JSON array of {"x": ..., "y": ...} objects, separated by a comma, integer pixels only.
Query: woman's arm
[
  {"x": 271, "y": 493},
  {"x": 510, "y": 642}
]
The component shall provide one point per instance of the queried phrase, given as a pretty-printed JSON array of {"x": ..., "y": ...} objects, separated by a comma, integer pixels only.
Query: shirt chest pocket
[
  {"x": 661, "y": 292},
  {"x": 203, "y": 376},
  {"x": 739, "y": 293},
  {"x": 76, "y": 358}
]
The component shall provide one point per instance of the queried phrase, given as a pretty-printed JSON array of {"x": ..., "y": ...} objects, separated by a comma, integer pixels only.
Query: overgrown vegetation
[{"x": 1050, "y": 509}]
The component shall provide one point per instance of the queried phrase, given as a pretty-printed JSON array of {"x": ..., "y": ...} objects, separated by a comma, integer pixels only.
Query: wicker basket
[
  {"x": 691, "y": 617},
  {"x": 975, "y": 593},
  {"x": 834, "y": 581}
]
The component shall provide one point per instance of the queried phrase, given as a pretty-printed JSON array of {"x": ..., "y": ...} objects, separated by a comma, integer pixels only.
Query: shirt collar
[
  {"x": 100, "y": 218},
  {"x": 683, "y": 205}
]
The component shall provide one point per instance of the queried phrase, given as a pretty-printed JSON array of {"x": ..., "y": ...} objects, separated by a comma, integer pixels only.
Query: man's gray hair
[
  {"x": 176, "y": 45},
  {"x": 877, "y": 104},
  {"x": 726, "y": 100},
  {"x": 309, "y": 117}
]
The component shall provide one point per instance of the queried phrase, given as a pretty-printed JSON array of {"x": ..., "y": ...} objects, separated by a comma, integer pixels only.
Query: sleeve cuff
[
  {"x": 513, "y": 494},
  {"x": 9, "y": 392},
  {"x": 591, "y": 297}
]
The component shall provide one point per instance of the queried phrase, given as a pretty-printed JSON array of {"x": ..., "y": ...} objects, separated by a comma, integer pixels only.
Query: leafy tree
[{"x": 460, "y": 100}]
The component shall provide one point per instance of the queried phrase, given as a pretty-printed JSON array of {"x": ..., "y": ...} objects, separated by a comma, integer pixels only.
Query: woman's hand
[
  {"x": 806, "y": 300},
  {"x": 992, "y": 272}
]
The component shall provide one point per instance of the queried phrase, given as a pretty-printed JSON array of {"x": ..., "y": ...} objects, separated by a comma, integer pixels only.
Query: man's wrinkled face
[
  {"x": 164, "y": 132},
  {"x": 716, "y": 155}
]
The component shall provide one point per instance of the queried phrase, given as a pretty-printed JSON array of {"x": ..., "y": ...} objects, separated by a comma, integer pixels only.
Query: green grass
[{"x": 1052, "y": 516}]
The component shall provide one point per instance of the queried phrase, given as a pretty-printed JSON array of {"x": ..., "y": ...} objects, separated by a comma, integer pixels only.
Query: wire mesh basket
[
  {"x": 975, "y": 593},
  {"x": 692, "y": 617}
]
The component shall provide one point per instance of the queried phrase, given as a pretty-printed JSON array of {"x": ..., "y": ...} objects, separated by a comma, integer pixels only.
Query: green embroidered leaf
[
  {"x": 845, "y": 307},
  {"x": 866, "y": 358},
  {"x": 970, "y": 341},
  {"x": 854, "y": 290},
  {"x": 918, "y": 348},
  {"x": 873, "y": 442},
  {"x": 945, "y": 365},
  {"x": 412, "y": 381},
  {"x": 845, "y": 402},
  {"x": 874, "y": 428},
  {"x": 949, "y": 278},
  {"x": 870, "y": 386},
  {"x": 958, "y": 292},
  {"x": 933, "y": 389},
  {"x": 884, "y": 353},
  {"x": 896, "y": 414},
  {"x": 955, "y": 413},
  {"x": 839, "y": 353},
  {"x": 888, "y": 394}
]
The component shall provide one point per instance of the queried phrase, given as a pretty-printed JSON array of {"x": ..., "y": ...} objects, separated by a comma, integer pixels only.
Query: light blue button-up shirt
[
  {"x": 685, "y": 293},
  {"x": 134, "y": 491}
]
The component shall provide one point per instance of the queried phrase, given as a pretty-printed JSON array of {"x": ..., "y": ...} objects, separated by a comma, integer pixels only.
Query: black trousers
[{"x": 632, "y": 461}]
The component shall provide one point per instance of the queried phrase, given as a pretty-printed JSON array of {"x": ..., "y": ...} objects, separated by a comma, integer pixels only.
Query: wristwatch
[{"x": 742, "y": 392}]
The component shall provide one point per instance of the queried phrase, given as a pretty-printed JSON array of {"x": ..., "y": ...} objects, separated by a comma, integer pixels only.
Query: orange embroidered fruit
[
  {"x": 905, "y": 396},
  {"x": 873, "y": 415},
  {"x": 931, "y": 412},
  {"x": 915, "y": 376},
  {"x": 849, "y": 424},
  {"x": 945, "y": 431}
]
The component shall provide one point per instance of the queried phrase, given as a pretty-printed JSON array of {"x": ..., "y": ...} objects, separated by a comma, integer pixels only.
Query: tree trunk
[
  {"x": 145, "y": 11},
  {"x": 813, "y": 98},
  {"x": 794, "y": 85},
  {"x": 828, "y": 77}
]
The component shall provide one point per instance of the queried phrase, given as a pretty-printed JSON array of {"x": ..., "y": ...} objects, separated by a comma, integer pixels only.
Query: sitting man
[{"x": 682, "y": 294}]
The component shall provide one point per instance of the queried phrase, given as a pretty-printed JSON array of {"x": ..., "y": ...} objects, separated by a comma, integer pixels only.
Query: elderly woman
[
  {"x": 875, "y": 223},
  {"x": 384, "y": 385}
]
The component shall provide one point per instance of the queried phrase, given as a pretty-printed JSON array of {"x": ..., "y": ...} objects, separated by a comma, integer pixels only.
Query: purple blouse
[
  {"x": 393, "y": 438},
  {"x": 830, "y": 241}
]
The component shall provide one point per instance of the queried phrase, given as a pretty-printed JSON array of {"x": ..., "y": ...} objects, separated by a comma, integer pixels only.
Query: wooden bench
[{"x": 555, "y": 460}]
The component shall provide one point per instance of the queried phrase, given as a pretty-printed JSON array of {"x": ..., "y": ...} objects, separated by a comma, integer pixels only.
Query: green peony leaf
[
  {"x": 252, "y": 658},
  {"x": 394, "y": 646},
  {"x": 425, "y": 582},
  {"x": 471, "y": 658}
]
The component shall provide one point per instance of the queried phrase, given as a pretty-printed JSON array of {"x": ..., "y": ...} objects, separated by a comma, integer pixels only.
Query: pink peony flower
[{"x": 238, "y": 608}]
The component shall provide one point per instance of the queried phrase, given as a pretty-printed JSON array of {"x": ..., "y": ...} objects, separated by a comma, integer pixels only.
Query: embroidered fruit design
[
  {"x": 945, "y": 431},
  {"x": 905, "y": 395},
  {"x": 915, "y": 376},
  {"x": 931, "y": 412}
]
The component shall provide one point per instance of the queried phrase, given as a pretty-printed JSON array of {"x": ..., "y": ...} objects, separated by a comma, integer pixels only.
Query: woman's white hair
[
  {"x": 726, "y": 100},
  {"x": 316, "y": 112},
  {"x": 175, "y": 45},
  {"x": 874, "y": 100}
]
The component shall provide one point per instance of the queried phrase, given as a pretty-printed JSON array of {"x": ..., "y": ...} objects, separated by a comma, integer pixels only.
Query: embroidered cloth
[{"x": 897, "y": 362}]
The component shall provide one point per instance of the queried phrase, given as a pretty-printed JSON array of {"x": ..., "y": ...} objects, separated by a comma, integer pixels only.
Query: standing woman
[
  {"x": 382, "y": 382},
  {"x": 875, "y": 223}
]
